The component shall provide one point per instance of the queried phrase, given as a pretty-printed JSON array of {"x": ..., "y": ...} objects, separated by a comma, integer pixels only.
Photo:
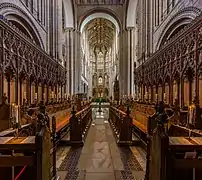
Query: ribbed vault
[{"x": 100, "y": 32}]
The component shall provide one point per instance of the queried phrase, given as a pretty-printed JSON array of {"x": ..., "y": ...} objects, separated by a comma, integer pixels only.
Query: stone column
[
  {"x": 1, "y": 71},
  {"x": 76, "y": 62},
  {"x": 149, "y": 22},
  {"x": 125, "y": 63},
  {"x": 1, "y": 87},
  {"x": 121, "y": 67},
  {"x": 70, "y": 60},
  {"x": 51, "y": 27}
]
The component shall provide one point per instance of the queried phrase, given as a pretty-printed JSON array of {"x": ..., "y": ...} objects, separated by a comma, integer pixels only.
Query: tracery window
[{"x": 100, "y": 61}]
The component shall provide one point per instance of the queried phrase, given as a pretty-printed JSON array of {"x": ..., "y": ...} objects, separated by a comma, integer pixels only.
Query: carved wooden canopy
[
  {"x": 181, "y": 57},
  {"x": 20, "y": 58}
]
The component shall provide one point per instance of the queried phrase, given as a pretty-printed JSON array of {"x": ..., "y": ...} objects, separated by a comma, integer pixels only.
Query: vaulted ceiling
[{"x": 100, "y": 32}]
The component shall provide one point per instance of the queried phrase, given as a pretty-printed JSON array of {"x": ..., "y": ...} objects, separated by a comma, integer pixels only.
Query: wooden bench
[
  {"x": 141, "y": 126},
  {"x": 31, "y": 156},
  {"x": 140, "y": 115},
  {"x": 173, "y": 158}
]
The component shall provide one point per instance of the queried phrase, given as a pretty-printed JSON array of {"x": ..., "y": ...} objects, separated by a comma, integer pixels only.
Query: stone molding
[
  {"x": 15, "y": 7},
  {"x": 188, "y": 12}
]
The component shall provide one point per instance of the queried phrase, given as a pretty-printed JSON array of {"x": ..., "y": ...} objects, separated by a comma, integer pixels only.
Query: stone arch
[
  {"x": 131, "y": 13},
  {"x": 68, "y": 13},
  {"x": 99, "y": 13},
  {"x": 14, "y": 13},
  {"x": 177, "y": 23}
]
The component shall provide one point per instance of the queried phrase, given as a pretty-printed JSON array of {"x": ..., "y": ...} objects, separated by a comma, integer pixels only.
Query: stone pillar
[
  {"x": 124, "y": 65},
  {"x": 131, "y": 60},
  {"x": 51, "y": 27},
  {"x": 70, "y": 60},
  {"x": 78, "y": 62},
  {"x": 121, "y": 68},
  {"x": 127, "y": 62},
  {"x": 1, "y": 87},
  {"x": 149, "y": 22}
]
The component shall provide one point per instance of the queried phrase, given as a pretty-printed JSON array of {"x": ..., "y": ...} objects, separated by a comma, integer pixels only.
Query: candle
[
  {"x": 25, "y": 95},
  {"x": 156, "y": 96},
  {"x": 16, "y": 114},
  {"x": 35, "y": 95},
  {"x": 164, "y": 96},
  {"x": 12, "y": 110},
  {"x": 175, "y": 94},
  {"x": 146, "y": 95},
  {"x": 52, "y": 94},
  {"x": 44, "y": 96}
]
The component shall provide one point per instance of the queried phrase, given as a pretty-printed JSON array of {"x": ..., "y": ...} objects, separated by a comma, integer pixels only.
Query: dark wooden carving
[
  {"x": 178, "y": 61},
  {"x": 116, "y": 90}
]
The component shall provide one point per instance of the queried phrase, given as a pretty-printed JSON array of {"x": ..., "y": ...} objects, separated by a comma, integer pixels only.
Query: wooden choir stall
[
  {"x": 172, "y": 75},
  {"x": 34, "y": 157}
]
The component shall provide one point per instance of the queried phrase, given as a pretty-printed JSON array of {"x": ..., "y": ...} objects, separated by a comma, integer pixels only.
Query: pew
[
  {"x": 173, "y": 158},
  {"x": 140, "y": 114},
  {"x": 31, "y": 157},
  {"x": 79, "y": 124},
  {"x": 121, "y": 124},
  {"x": 4, "y": 117},
  {"x": 28, "y": 118}
]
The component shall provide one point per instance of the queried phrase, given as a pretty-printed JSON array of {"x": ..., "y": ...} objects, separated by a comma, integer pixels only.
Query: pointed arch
[
  {"x": 68, "y": 14},
  {"x": 101, "y": 13},
  {"x": 131, "y": 13}
]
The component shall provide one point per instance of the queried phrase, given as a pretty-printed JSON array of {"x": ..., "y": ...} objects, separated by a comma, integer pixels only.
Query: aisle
[{"x": 101, "y": 158}]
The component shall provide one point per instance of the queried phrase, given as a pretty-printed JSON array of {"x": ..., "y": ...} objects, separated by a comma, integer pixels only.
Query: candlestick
[
  {"x": 146, "y": 95},
  {"x": 16, "y": 114},
  {"x": 12, "y": 110},
  {"x": 164, "y": 96},
  {"x": 175, "y": 94},
  {"x": 35, "y": 95}
]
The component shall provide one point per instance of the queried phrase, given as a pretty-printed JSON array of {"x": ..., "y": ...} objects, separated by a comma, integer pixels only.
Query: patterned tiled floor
[{"x": 101, "y": 158}]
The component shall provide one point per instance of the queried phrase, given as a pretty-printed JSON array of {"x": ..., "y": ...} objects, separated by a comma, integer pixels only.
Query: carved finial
[
  {"x": 5, "y": 99},
  {"x": 73, "y": 110},
  {"x": 128, "y": 111}
]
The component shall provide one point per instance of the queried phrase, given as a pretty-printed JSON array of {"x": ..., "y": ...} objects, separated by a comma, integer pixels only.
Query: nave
[
  {"x": 94, "y": 89},
  {"x": 100, "y": 158}
]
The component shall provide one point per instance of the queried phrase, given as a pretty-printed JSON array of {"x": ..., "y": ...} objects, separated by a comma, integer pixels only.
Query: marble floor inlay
[{"x": 101, "y": 158}]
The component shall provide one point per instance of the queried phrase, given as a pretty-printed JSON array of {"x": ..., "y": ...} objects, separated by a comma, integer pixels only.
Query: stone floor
[{"x": 101, "y": 158}]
